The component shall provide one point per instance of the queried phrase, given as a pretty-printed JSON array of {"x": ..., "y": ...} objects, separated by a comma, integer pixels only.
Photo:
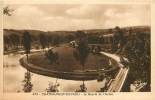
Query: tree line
[{"x": 14, "y": 41}]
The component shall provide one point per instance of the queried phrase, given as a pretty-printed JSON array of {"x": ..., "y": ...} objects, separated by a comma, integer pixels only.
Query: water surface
[{"x": 14, "y": 75}]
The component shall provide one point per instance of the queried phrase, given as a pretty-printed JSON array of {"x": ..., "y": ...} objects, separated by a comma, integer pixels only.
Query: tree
[
  {"x": 119, "y": 39},
  {"x": 43, "y": 40},
  {"x": 15, "y": 40},
  {"x": 80, "y": 34},
  {"x": 49, "y": 40},
  {"x": 83, "y": 88},
  {"x": 137, "y": 51},
  {"x": 56, "y": 39},
  {"x": 27, "y": 43},
  {"x": 82, "y": 51},
  {"x": 27, "y": 82},
  {"x": 7, "y": 43},
  {"x": 69, "y": 38},
  {"x": 52, "y": 56},
  {"x": 53, "y": 87}
]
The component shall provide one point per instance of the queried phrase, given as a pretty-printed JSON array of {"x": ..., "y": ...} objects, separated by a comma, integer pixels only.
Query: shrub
[{"x": 52, "y": 56}]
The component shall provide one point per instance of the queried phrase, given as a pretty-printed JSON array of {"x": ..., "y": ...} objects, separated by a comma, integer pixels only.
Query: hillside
[
  {"x": 34, "y": 32},
  {"x": 145, "y": 29}
]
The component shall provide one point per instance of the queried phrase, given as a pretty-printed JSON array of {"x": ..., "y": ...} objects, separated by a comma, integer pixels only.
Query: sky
[{"x": 53, "y": 17}]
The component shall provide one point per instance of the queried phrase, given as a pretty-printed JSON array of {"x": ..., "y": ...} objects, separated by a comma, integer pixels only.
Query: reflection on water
[{"x": 14, "y": 75}]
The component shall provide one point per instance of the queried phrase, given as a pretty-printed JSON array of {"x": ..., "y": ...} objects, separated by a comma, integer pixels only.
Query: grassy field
[{"x": 67, "y": 62}]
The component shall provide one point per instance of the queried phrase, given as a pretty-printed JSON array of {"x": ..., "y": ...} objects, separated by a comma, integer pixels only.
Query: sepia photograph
[{"x": 76, "y": 48}]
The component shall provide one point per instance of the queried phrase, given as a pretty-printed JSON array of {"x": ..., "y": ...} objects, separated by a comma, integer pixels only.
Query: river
[{"x": 13, "y": 74}]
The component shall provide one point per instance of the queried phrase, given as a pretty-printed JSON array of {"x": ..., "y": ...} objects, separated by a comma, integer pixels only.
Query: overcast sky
[{"x": 74, "y": 17}]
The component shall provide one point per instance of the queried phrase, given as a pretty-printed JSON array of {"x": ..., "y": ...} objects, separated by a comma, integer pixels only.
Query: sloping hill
[{"x": 89, "y": 31}]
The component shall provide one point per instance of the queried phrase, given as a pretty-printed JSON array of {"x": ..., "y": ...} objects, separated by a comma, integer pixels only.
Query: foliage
[
  {"x": 43, "y": 40},
  {"x": 27, "y": 42},
  {"x": 93, "y": 39},
  {"x": 53, "y": 87},
  {"x": 56, "y": 40},
  {"x": 27, "y": 82},
  {"x": 101, "y": 76},
  {"x": 82, "y": 51},
  {"x": 15, "y": 39},
  {"x": 119, "y": 39},
  {"x": 52, "y": 57},
  {"x": 82, "y": 88},
  {"x": 137, "y": 50},
  {"x": 12, "y": 41},
  {"x": 69, "y": 38}
]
